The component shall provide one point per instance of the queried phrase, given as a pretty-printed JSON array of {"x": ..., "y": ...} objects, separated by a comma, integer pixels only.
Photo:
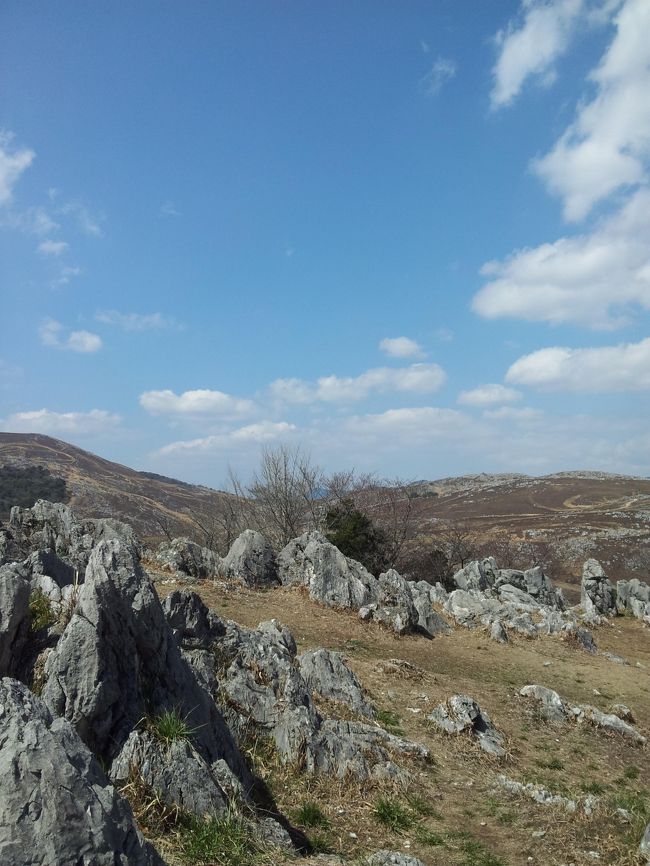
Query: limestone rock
[
  {"x": 326, "y": 673},
  {"x": 597, "y": 595},
  {"x": 56, "y": 804},
  {"x": 251, "y": 560},
  {"x": 429, "y": 620},
  {"x": 14, "y": 617},
  {"x": 392, "y": 858},
  {"x": 395, "y": 607},
  {"x": 478, "y": 575},
  {"x": 117, "y": 661},
  {"x": 188, "y": 558},
  {"x": 552, "y": 706},
  {"x": 331, "y": 577},
  {"x": 498, "y": 632},
  {"x": 462, "y": 713}
]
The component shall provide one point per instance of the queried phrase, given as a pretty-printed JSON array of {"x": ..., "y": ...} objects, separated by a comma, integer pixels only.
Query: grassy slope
[{"x": 471, "y": 823}]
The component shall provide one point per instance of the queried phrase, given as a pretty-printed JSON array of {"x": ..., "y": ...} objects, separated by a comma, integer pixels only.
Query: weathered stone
[
  {"x": 331, "y": 577},
  {"x": 188, "y": 558},
  {"x": 14, "y": 617},
  {"x": 429, "y": 620},
  {"x": 536, "y": 793},
  {"x": 478, "y": 575},
  {"x": 196, "y": 631},
  {"x": 552, "y": 707},
  {"x": 56, "y": 804},
  {"x": 175, "y": 771},
  {"x": 462, "y": 713},
  {"x": 607, "y": 721},
  {"x": 597, "y": 595},
  {"x": 395, "y": 606},
  {"x": 498, "y": 632},
  {"x": 326, "y": 673},
  {"x": 586, "y": 640},
  {"x": 251, "y": 560},
  {"x": 117, "y": 662}
]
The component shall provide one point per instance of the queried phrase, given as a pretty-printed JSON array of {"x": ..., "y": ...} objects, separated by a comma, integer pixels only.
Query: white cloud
[
  {"x": 136, "y": 321},
  {"x": 418, "y": 378},
  {"x": 52, "y": 334},
  {"x": 408, "y": 426},
  {"x": 607, "y": 145},
  {"x": 168, "y": 208},
  {"x": 488, "y": 395},
  {"x": 52, "y": 248},
  {"x": 95, "y": 422},
  {"x": 33, "y": 221},
  {"x": 197, "y": 402},
  {"x": 442, "y": 71},
  {"x": 510, "y": 413},
  {"x": 401, "y": 347},
  {"x": 12, "y": 164},
  {"x": 88, "y": 223},
  {"x": 263, "y": 431},
  {"x": 610, "y": 368},
  {"x": 593, "y": 279},
  {"x": 65, "y": 275},
  {"x": 531, "y": 49}
]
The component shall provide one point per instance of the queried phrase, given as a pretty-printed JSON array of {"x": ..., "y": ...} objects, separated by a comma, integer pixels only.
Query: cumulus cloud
[
  {"x": 13, "y": 163},
  {"x": 198, "y": 402},
  {"x": 52, "y": 333},
  {"x": 87, "y": 222},
  {"x": 607, "y": 369},
  {"x": 510, "y": 413},
  {"x": 442, "y": 71},
  {"x": 413, "y": 426},
  {"x": 401, "y": 347},
  {"x": 607, "y": 145},
  {"x": 593, "y": 279},
  {"x": 95, "y": 422},
  {"x": 418, "y": 378},
  {"x": 52, "y": 248},
  {"x": 136, "y": 321},
  {"x": 488, "y": 395},
  {"x": 263, "y": 431},
  {"x": 530, "y": 47}
]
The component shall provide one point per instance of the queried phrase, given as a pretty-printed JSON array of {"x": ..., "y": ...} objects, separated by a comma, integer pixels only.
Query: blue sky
[{"x": 410, "y": 238}]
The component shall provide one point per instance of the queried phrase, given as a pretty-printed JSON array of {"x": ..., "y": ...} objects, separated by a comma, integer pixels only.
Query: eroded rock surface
[
  {"x": 56, "y": 804},
  {"x": 251, "y": 560},
  {"x": 462, "y": 713},
  {"x": 189, "y": 559},
  {"x": 326, "y": 673}
]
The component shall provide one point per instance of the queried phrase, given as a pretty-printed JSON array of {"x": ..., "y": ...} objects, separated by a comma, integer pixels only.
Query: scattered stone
[
  {"x": 552, "y": 706},
  {"x": 498, "y": 632},
  {"x": 392, "y": 858},
  {"x": 462, "y": 713},
  {"x": 542, "y": 795}
]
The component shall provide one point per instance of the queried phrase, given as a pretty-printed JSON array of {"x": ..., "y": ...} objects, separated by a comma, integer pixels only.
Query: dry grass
[{"x": 472, "y": 822}]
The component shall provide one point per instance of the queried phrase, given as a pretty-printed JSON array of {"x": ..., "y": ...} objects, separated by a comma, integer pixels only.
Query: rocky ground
[{"x": 171, "y": 706}]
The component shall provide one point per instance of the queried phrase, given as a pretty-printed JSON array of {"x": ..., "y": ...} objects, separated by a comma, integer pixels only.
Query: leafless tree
[{"x": 458, "y": 541}]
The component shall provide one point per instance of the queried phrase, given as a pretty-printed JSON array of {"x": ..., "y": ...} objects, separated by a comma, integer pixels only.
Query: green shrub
[
  {"x": 355, "y": 535},
  {"x": 390, "y": 722},
  {"x": 223, "y": 841},
  {"x": 41, "y": 613}
]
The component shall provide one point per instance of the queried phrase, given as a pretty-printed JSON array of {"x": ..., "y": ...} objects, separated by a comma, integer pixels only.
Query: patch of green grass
[
  {"x": 593, "y": 788},
  {"x": 631, "y": 772},
  {"x": 553, "y": 764},
  {"x": 428, "y": 837},
  {"x": 320, "y": 843},
  {"x": 475, "y": 853},
  {"x": 390, "y": 722},
  {"x": 223, "y": 841},
  {"x": 507, "y": 818},
  {"x": 421, "y": 806},
  {"x": 392, "y": 814},
  {"x": 41, "y": 613},
  {"x": 310, "y": 814},
  {"x": 170, "y": 725}
]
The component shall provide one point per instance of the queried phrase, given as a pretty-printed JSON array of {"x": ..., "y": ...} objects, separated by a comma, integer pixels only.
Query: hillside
[
  {"x": 574, "y": 515},
  {"x": 100, "y": 488}
]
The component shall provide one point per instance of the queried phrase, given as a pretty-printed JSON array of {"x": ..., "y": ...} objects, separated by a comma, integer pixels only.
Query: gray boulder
[
  {"x": 552, "y": 708},
  {"x": 330, "y": 577},
  {"x": 56, "y": 804},
  {"x": 498, "y": 632},
  {"x": 14, "y": 617},
  {"x": 462, "y": 713},
  {"x": 327, "y": 674},
  {"x": 395, "y": 607},
  {"x": 189, "y": 559},
  {"x": 597, "y": 595},
  {"x": 251, "y": 560},
  {"x": 633, "y": 596},
  {"x": 196, "y": 631},
  {"x": 429, "y": 620},
  {"x": 477, "y": 575},
  {"x": 608, "y": 722},
  {"x": 117, "y": 662}
]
